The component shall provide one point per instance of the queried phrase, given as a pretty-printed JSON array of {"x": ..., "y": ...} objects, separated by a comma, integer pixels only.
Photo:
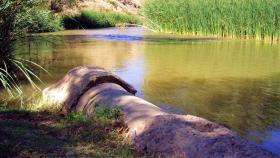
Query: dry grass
[{"x": 45, "y": 134}]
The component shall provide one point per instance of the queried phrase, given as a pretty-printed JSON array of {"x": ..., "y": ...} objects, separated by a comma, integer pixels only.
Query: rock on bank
[{"x": 150, "y": 129}]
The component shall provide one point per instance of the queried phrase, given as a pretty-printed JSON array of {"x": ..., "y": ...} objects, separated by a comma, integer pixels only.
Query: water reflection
[
  {"x": 268, "y": 140},
  {"x": 76, "y": 51},
  {"x": 148, "y": 38},
  {"x": 234, "y": 83},
  {"x": 237, "y": 103}
]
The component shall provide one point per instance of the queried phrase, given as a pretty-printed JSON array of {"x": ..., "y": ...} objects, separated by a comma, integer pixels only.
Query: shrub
[
  {"x": 14, "y": 69},
  {"x": 38, "y": 20}
]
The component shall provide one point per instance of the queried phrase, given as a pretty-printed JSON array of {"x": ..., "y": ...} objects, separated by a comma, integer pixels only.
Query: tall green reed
[
  {"x": 227, "y": 18},
  {"x": 94, "y": 19}
]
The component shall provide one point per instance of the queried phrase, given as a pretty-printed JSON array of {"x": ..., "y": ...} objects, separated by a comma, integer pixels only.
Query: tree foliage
[{"x": 12, "y": 68}]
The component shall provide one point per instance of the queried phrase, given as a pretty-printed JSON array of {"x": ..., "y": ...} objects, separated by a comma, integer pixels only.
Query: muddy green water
[{"x": 231, "y": 82}]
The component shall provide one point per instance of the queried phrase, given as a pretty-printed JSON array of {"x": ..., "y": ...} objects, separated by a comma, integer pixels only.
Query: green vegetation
[
  {"x": 45, "y": 134},
  {"x": 93, "y": 19},
  {"x": 17, "y": 18},
  {"x": 237, "y": 18},
  {"x": 38, "y": 20},
  {"x": 20, "y": 17},
  {"x": 12, "y": 69}
]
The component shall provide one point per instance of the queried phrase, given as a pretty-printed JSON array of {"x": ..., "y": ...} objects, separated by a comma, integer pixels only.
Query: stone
[
  {"x": 151, "y": 129},
  {"x": 70, "y": 154},
  {"x": 66, "y": 92}
]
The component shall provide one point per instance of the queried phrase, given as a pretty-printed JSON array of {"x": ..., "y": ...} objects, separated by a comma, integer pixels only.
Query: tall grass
[
  {"x": 237, "y": 18},
  {"x": 93, "y": 19}
]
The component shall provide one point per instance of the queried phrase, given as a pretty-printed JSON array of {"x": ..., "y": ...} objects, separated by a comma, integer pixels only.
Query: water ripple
[{"x": 134, "y": 38}]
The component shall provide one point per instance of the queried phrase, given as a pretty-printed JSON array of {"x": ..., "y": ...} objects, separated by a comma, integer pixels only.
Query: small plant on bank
[
  {"x": 104, "y": 112},
  {"x": 101, "y": 112}
]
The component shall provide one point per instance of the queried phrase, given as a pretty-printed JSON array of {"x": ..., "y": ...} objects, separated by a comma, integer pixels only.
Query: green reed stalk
[
  {"x": 95, "y": 19},
  {"x": 227, "y": 18}
]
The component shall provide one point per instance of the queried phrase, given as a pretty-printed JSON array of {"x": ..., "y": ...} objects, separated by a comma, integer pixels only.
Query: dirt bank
[{"x": 121, "y": 6}]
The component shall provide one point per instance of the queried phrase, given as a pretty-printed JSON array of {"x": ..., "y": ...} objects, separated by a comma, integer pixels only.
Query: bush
[
  {"x": 92, "y": 19},
  {"x": 38, "y": 20},
  {"x": 17, "y": 16}
]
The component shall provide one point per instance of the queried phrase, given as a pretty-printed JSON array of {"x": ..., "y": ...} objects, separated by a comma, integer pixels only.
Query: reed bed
[
  {"x": 258, "y": 19},
  {"x": 92, "y": 19}
]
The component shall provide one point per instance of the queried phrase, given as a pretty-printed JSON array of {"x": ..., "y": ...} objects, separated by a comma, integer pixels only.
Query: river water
[{"x": 232, "y": 82}]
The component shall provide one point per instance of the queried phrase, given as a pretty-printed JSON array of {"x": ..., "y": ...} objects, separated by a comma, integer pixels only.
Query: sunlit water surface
[{"x": 231, "y": 82}]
